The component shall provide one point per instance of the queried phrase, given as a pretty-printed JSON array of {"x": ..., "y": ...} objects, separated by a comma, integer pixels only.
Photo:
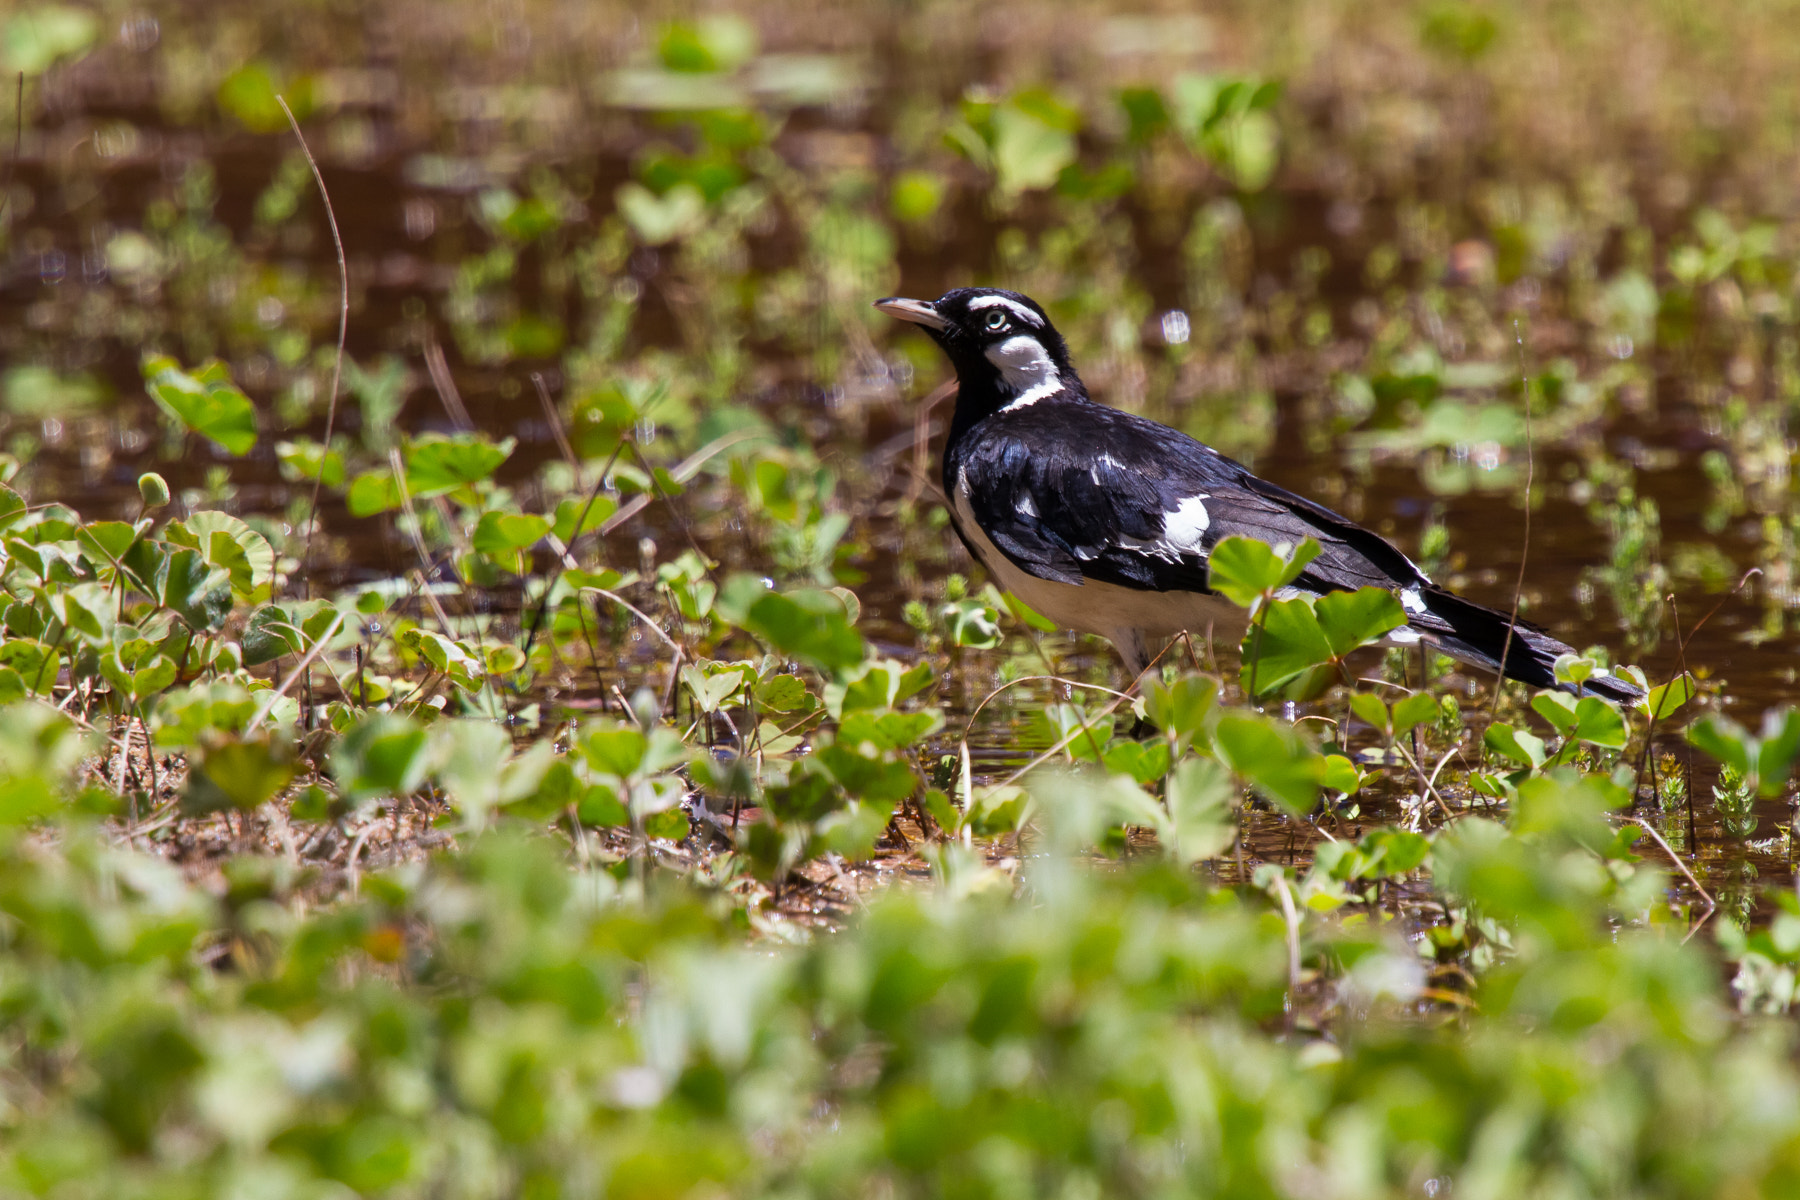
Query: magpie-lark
[{"x": 1102, "y": 521}]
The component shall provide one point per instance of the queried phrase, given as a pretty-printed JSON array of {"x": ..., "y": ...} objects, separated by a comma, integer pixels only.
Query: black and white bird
[{"x": 1103, "y": 521}]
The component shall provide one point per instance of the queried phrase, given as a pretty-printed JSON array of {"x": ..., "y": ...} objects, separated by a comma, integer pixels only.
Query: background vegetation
[{"x": 492, "y": 704}]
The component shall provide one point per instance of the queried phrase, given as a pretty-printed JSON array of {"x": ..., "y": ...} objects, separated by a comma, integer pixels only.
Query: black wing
[
  {"x": 1074, "y": 492},
  {"x": 1071, "y": 493}
]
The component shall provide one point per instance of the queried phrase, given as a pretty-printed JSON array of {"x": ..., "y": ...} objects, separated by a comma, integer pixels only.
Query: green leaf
[
  {"x": 867, "y": 773},
  {"x": 890, "y": 730},
  {"x": 852, "y": 831},
  {"x": 943, "y": 811},
  {"x": 1026, "y": 615},
  {"x": 1203, "y": 810},
  {"x": 1370, "y": 709},
  {"x": 195, "y": 590},
  {"x": 382, "y": 754},
  {"x": 1665, "y": 699},
  {"x": 12, "y": 507},
  {"x": 783, "y": 693},
  {"x": 1725, "y": 740},
  {"x": 86, "y": 610},
  {"x": 153, "y": 677},
  {"x": 1181, "y": 709},
  {"x": 971, "y": 622},
  {"x": 107, "y": 541},
  {"x": 1146, "y": 762},
  {"x": 1342, "y": 775},
  {"x": 506, "y": 532},
  {"x": 880, "y": 683},
  {"x": 590, "y": 513},
  {"x": 372, "y": 492},
  {"x": 36, "y": 663},
  {"x": 1779, "y": 745},
  {"x": 304, "y": 461},
  {"x": 237, "y": 774},
  {"x": 1284, "y": 643},
  {"x": 1573, "y": 668},
  {"x": 456, "y": 659},
  {"x": 1392, "y": 852},
  {"x": 712, "y": 684},
  {"x": 227, "y": 542},
  {"x": 670, "y": 823},
  {"x": 205, "y": 401},
  {"x": 1242, "y": 569},
  {"x": 812, "y": 626},
  {"x": 600, "y": 806},
  {"x": 1073, "y": 727},
  {"x": 1514, "y": 744},
  {"x": 1353, "y": 619},
  {"x": 660, "y": 219},
  {"x": 1599, "y": 723},
  {"x": 1558, "y": 709},
  {"x": 1246, "y": 148},
  {"x": 248, "y": 94},
  {"x": 269, "y": 634},
  {"x": 1272, "y": 757},
  {"x": 1028, "y": 153},
  {"x": 437, "y": 464},
  {"x": 613, "y": 749},
  {"x": 1079, "y": 809},
  {"x": 1416, "y": 709}
]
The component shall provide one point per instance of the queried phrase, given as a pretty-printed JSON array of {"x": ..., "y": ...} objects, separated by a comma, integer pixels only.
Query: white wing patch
[
  {"x": 1183, "y": 535},
  {"x": 1185, "y": 527},
  {"x": 1413, "y": 601},
  {"x": 1025, "y": 369}
]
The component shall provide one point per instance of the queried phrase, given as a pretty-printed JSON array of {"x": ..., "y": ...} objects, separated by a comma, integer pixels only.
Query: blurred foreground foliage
[{"x": 492, "y": 1022}]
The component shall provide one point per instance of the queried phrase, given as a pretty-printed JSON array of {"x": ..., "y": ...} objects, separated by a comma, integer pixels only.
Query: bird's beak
[{"x": 919, "y": 312}]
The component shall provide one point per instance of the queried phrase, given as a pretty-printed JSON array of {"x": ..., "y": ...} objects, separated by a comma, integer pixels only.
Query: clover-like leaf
[
  {"x": 438, "y": 463},
  {"x": 1242, "y": 569},
  {"x": 383, "y": 754},
  {"x": 1414, "y": 710},
  {"x": 1202, "y": 809},
  {"x": 1353, "y": 619},
  {"x": 205, "y": 401},
  {"x": 1272, "y": 757},
  {"x": 1284, "y": 643},
  {"x": 505, "y": 532},
  {"x": 1664, "y": 699},
  {"x": 1518, "y": 745}
]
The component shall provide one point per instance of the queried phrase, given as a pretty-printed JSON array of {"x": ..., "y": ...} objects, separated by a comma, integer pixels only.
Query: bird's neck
[{"x": 983, "y": 397}]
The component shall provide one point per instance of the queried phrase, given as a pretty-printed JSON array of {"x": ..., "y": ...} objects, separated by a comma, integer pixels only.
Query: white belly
[{"x": 1125, "y": 616}]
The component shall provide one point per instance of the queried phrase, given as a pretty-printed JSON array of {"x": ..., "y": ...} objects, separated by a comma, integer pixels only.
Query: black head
[{"x": 1003, "y": 347}]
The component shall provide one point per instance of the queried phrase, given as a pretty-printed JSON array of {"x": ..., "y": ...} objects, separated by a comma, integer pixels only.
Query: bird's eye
[{"x": 996, "y": 321}]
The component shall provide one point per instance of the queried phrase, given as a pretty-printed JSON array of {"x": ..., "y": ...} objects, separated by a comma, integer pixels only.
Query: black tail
[{"x": 1477, "y": 635}]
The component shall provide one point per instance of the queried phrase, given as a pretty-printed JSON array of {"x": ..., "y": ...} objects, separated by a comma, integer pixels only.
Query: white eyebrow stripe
[{"x": 1018, "y": 310}]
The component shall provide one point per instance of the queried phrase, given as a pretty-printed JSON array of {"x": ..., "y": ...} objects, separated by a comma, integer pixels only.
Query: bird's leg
[
  {"x": 1130, "y": 644},
  {"x": 1418, "y": 747}
]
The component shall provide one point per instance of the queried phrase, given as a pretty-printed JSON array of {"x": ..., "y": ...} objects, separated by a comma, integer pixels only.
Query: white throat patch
[{"x": 1025, "y": 370}]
